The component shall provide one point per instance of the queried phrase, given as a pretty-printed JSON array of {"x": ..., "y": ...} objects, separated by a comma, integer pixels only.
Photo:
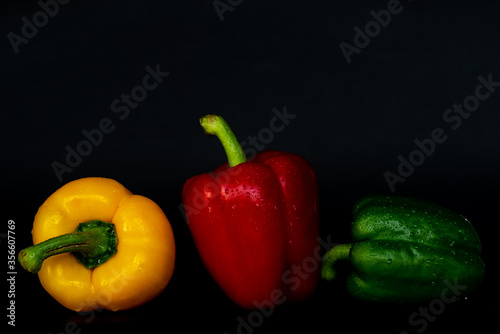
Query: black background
[{"x": 352, "y": 121}]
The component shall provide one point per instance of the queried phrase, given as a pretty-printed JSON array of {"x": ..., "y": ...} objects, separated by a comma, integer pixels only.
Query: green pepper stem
[
  {"x": 217, "y": 126},
  {"x": 336, "y": 253},
  {"x": 92, "y": 243}
]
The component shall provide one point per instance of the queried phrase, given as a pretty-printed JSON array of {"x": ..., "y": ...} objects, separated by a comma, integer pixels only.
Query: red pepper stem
[
  {"x": 337, "y": 253},
  {"x": 92, "y": 243},
  {"x": 217, "y": 126}
]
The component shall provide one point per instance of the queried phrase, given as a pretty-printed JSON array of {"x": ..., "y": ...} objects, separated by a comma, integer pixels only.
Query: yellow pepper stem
[{"x": 92, "y": 243}]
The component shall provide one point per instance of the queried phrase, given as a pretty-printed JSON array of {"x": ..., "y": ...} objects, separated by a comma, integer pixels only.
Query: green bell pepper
[{"x": 407, "y": 250}]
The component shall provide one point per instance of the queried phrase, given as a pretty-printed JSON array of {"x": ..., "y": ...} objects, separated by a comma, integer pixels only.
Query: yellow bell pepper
[{"x": 120, "y": 257}]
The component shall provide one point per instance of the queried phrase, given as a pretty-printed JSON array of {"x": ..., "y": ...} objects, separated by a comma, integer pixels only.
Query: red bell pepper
[{"x": 255, "y": 223}]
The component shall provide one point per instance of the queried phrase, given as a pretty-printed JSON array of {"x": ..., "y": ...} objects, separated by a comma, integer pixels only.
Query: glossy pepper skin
[
  {"x": 407, "y": 250},
  {"x": 137, "y": 270},
  {"x": 255, "y": 225}
]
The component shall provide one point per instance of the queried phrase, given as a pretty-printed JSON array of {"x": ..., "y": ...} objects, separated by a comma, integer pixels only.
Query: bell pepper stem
[
  {"x": 217, "y": 126},
  {"x": 336, "y": 253},
  {"x": 92, "y": 243}
]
